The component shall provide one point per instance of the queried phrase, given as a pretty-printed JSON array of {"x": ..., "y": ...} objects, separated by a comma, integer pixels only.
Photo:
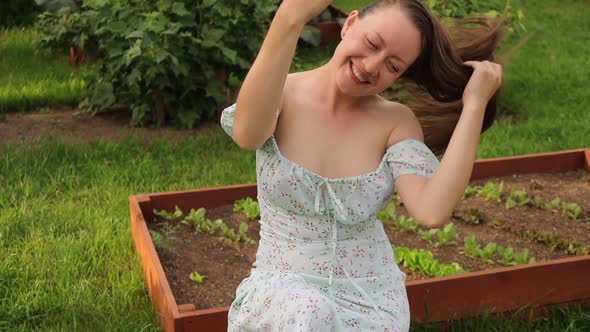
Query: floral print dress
[{"x": 324, "y": 262}]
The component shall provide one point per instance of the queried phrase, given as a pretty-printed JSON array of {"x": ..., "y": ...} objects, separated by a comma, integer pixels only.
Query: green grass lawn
[
  {"x": 29, "y": 80},
  {"x": 67, "y": 260},
  {"x": 349, "y": 5}
]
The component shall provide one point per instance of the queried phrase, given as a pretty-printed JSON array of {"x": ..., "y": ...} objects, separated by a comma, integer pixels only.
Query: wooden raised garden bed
[{"x": 496, "y": 289}]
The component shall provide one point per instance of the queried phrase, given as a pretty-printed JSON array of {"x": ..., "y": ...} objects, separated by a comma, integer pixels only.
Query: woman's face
[{"x": 375, "y": 50}]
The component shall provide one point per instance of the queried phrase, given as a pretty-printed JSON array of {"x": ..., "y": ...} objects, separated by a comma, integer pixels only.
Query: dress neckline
[{"x": 341, "y": 179}]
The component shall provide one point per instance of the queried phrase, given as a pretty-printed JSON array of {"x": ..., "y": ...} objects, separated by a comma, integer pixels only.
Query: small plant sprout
[
  {"x": 473, "y": 249},
  {"x": 522, "y": 257},
  {"x": 169, "y": 216},
  {"x": 249, "y": 207},
  {"x": 423, "y": 261},
  {"x": 553, "y": 205},
  {"x": 197, "y": 277},
  {"x": 517, "y": 198},
  {"x": 497, "y": 222},
  {"x": 195, "y": 217},
  {"x": 506, "y": 255},
  {"x": 387, "y": 215},
  {"x": 538, "y": 202},
  {"x": 447, "y": 235},
  {"x": 535, "y": 185},
  {"x": 243, "y": 233},
  {"x": 491, "y": 192},
  {"x": 571, "y": 210},
  {"x": 162, "y": 242},
  {"x": 473, "y": 216},
  {"x": 405, "y": 223},
  {"x": 469, "y": 191},
  {"x": 428, "y": 234}
]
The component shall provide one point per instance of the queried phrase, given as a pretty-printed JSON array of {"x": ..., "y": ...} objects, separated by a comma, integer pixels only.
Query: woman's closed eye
[
  {"x": 372, "y": 44},
  {"x": 390, "y": 66}
]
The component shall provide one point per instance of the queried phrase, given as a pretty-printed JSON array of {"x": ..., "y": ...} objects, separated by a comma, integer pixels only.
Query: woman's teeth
[{"x": 357, "y": 74}]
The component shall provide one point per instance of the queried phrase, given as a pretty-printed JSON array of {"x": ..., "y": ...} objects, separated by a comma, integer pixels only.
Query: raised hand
[
  {"x": 484, "y": 82},
  {"x": 302, "y": 11}
]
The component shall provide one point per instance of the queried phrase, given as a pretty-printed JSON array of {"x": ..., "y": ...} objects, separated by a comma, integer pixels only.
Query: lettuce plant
[
  {"x": 405, "y": 223},
  {"x": 249, "y": 207},
  {"x": 196, "y": 277},
  {"x": 517, "y": 198},
  {"x": 423, "y": 261},
  {"x": 553, "y": 205},
  {"x": 491, "y": 192},
  {"x": 387, "y": 215},
  {"x": 447, "y": 235},
  {"x": 506, "y": 254},
  {"x": 473, "y": 249},
  {"x": 571, "y": 210}
]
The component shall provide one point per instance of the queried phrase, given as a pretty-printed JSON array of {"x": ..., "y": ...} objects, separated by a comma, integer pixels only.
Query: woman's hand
[
  {"x": 302, "y": 11},
  {"x": 483, "y": 84}
]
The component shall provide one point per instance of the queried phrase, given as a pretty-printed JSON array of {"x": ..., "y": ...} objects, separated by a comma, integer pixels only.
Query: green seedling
[
  {"x": 243, "y": 233},
  {"x": 571, "y": 210},
  {"x": 428, "y": 234},
  {"x": 538, "y": 202},
  {"x": 469, "y": 191},
  {"x": 405, "y": 223},
  {"x": 535, "y": 185},
  {"x": 162, "y": 242},
  {"x": 423, "y": 261},
  {"x": 522, "y": 257},
  {"x": 497, "y": 222},
  {"x": 552, "y": 206},
  {"x": 387, "y": 215},
  {"x": 169, "y": 216},
  {"x": 491, "y": 192},
  {"x": 249, "y": 207},
  {"x": 195, "y": 217},
  {"x": 447, "y": 235},
  {"x": 474, "y": 250},
  {"x": 506, "y": 255},
  {"x": 517, "y": 198},
  {"x": 473, "y": 216},
  {"x": 196, "y": 277}
]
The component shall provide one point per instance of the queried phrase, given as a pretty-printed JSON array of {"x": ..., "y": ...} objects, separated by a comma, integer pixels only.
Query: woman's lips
[{"x": 353, "y": 76}]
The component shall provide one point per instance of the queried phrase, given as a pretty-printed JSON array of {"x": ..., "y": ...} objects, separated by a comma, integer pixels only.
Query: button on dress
[{"x": 324, "y": 262}]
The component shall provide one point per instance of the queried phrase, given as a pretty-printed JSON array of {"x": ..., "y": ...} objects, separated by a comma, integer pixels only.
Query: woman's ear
[{"x": 350, "y": 20}]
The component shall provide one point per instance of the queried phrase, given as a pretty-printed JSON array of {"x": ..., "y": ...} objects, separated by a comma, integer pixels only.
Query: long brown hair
[{"x": 435, "y": 81}]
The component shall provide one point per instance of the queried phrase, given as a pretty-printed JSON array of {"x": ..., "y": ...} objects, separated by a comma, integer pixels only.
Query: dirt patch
[
  {"x": 226, "y": 264},
  {"x": 75, "y": 126}
]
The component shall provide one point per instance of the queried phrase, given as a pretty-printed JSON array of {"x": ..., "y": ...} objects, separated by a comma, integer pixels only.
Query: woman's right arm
[{"x": 260, "y": 96}]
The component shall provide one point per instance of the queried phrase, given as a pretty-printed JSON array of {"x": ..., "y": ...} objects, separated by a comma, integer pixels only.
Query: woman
[{"x": 336, "y": 155}]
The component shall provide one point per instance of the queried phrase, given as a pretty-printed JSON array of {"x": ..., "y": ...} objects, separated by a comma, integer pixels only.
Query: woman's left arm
[{"x": 436, "y": 198}]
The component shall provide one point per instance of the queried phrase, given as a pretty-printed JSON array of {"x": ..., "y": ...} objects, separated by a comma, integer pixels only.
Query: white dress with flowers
[{"x": 324, "y": 262}]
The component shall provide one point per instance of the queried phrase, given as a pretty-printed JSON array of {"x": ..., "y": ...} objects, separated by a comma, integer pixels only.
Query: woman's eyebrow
[{"x": 393, "y": 55}]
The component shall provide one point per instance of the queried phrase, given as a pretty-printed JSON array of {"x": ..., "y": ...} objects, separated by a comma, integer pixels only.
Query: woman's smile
[{"x": 357, "y": 75}]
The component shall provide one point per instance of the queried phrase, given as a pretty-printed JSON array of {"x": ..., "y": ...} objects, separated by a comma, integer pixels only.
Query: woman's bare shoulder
[{"x": 404, "y": 123}]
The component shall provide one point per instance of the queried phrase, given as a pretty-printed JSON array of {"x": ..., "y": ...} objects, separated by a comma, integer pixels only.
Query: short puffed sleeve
[
  {"x": 227, "y": 119},
  {"x": 411, "y": 156}
]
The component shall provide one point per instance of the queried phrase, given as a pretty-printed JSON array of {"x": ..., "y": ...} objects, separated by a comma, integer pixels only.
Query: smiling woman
[{"x": 337, "y": 152}]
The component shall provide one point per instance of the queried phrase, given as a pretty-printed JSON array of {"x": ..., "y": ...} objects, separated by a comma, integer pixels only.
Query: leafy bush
[
  {"x": 58, "y": 31},
  {"x": 171, "y": 60},
  {"x": 17, "y": 12}
]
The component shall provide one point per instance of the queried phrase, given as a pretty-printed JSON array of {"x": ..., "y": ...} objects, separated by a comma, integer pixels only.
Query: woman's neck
[{"x": 323, "y": 83}]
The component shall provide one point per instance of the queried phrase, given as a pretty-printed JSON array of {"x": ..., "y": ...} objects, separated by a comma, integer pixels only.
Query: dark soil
[
  {"x": 75, "y": 126},
  {"x": 226, "y": 264}
]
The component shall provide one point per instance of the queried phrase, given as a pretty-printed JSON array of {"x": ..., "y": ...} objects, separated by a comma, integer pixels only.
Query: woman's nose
[{"x": 372, "y": 65}]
